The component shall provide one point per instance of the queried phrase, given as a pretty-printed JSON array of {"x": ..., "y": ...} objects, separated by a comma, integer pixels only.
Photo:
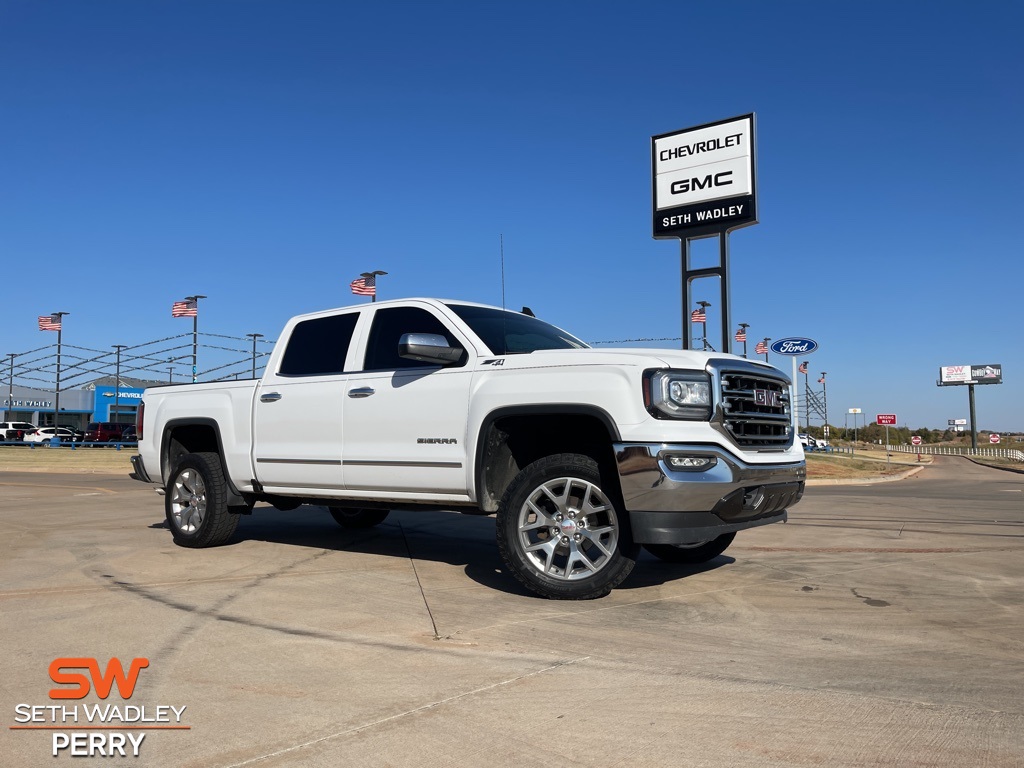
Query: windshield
[{"x": 512, "y": 333}]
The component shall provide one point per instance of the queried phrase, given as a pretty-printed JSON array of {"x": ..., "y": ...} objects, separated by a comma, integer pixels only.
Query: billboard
[
  {"x": 703, "y": 178},
  {"x": 991, "y": 373}
]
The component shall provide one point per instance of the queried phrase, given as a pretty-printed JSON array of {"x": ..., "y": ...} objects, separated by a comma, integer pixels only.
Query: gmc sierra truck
[{"x": 583, "y": 455}]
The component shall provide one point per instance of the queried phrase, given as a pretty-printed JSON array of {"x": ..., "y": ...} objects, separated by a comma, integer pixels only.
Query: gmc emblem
[{"x": 768, "y": 397}]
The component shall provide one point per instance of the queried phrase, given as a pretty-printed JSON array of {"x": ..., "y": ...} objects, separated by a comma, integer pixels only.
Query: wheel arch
[
  {"x": 513, "y": 437},
  {"x": 198, "y": 435}
]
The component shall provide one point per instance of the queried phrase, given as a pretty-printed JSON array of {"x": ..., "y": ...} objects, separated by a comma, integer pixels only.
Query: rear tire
[
  {"x": 358, "y": 518},
  {"x": 560, "y": 534},
  {"x": 698, "y": 552},
  {"x": 195, "y": 502}
]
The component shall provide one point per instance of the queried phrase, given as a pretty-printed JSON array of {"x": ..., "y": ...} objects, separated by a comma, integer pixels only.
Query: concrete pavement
[{"x": 881, "y": 626}]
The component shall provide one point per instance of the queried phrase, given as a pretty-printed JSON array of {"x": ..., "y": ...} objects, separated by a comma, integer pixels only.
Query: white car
[
  {"x": 15, "y": 430},
  {"x": 45, "y": 435}
]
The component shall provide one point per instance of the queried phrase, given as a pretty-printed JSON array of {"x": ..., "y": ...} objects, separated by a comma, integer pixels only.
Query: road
[{"x": 882, "y": 625}]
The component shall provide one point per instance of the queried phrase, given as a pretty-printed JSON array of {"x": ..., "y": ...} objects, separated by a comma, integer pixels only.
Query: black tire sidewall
[
  {"x": 507, "y": 529},
  {"x": 218, "y": 524}
]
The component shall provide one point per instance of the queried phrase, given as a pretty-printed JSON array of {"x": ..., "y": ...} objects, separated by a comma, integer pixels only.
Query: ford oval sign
[{"x": 794, "y": 346}]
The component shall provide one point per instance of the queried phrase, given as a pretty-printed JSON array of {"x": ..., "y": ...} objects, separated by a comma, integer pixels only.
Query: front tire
[
  {"x": 358, "y": 518},
  {"x": 561, "y": 534},
  {"x": 698, "y": 552},
  {"x": 196, "y": 502}
]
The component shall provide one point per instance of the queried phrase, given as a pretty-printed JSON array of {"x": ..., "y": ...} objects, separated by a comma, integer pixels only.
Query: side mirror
[{"x": 428, "y": 348}]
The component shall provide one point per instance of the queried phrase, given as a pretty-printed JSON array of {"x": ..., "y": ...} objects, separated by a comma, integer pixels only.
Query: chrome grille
[{"x": 754, "y": 407}]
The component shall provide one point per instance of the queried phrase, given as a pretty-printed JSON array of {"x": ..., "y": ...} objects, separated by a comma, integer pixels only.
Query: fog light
[{"x": 691, "y": 463}]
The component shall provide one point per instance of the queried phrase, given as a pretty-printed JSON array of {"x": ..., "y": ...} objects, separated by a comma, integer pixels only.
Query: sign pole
[
  {"x": 974, "y": 425},
  {"x": 796, "y": 399}
]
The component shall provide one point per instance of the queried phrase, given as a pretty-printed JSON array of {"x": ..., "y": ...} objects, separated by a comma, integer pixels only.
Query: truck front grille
[{"x": 755, "y": 407}]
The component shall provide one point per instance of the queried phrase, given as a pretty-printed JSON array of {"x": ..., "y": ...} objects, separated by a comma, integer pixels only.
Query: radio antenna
[
  {"x": 504, "y": 336},
  {"x": 501, "y": 242}
]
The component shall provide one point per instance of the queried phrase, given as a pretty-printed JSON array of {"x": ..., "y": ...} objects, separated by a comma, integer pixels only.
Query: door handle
[
  {"x": 361, "y": 392},
  {"x": 270, "y": 397}
]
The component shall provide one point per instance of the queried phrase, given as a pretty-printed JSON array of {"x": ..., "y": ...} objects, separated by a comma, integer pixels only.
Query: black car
[{"x": 130, "y": 435}]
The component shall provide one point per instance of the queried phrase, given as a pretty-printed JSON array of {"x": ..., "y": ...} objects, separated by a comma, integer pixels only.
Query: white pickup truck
[{"x": 583, "y": 454}]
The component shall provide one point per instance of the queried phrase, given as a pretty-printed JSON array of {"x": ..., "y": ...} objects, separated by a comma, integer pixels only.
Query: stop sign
[
  {"x": 916, "y": 439},
  {"x": 993, "y": 438}
]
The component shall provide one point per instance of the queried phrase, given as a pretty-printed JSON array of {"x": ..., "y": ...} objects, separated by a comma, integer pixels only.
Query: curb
[
  {"x": 993, "y": 466},
  {"x": 867, "y": 480}
]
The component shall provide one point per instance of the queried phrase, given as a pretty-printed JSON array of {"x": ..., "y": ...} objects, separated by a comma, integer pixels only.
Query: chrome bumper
[{"x": 669, "y": 505}]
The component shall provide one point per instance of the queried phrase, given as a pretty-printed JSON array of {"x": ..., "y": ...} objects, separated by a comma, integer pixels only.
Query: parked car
[
  {"x": 130, "y": 435},
  {"x": 79, "y": 435},
  {"x": 15, "y": 430},
  {"x": 813, "y": 443},
  {"x": 45, "y": 435},
  {"x": 104, "y": 431}
]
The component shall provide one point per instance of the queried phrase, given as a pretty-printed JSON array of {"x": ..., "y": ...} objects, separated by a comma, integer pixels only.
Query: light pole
[
  {"x": 254, "y": 336},
  {"x": 370, "y": 281},
  {"x": 195, "y": 334},
  {"x": 117, "y": 380},
  {"x": 10, "y": 395},
  {"x": 824, "y": 402}
]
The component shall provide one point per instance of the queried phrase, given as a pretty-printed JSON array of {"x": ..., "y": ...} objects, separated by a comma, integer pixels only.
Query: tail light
[{"x": 140, "y": 416}]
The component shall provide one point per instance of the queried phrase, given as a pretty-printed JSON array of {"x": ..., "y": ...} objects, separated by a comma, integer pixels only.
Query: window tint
[
  {"x": 389, "y": 325},
  {"x": 319, "y": 346},
  {"x": 512, "y": 333}
]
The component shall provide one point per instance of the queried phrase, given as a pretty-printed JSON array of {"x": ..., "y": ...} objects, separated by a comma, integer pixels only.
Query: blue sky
[{"x": 264, "y": 153}]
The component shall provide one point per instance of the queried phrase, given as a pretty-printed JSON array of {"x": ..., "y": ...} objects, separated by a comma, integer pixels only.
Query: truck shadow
[{"x": 467, "y": 541}]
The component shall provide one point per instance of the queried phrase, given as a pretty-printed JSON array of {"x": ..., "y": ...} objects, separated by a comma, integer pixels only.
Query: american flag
[
  {"x": 49, "y": 322},
  {"x": 741, "y": 335},
  {"x": 698, "y": 316},
  {"x": 821, "y": 380},
  {"x": 761, "y": 348},
  {"x": 364, "y": 286},
  {"x": 187, "y": 308},
  {"x": 803, "y": 368}
]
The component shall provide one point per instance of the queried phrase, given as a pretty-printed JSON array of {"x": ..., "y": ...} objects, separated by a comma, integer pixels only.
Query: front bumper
[{"x": 676, "y": 506}]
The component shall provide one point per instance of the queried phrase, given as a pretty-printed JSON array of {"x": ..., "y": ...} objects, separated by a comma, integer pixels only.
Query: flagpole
[
  {"x": 744, "y": 326},
  {"x": 704, "y": 326},
  {"x": 195, "y": 337},
  {"x": 56, "y": 394},
  {"x": 370, "y": 280},
  {"x": 807, "y": 398}
]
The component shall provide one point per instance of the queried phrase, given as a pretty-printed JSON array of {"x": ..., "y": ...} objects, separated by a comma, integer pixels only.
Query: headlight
[{"x": 678, "y": 394}]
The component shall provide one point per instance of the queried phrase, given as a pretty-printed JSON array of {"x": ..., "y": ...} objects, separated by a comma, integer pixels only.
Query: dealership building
[{"x": 99, "y": 400}]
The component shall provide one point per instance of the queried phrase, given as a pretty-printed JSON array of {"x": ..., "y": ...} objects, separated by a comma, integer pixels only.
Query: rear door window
[{"x": 319, "y": 346}]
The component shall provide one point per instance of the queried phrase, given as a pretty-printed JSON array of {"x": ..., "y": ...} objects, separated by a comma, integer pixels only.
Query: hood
[{"x": 633, "y": 357}]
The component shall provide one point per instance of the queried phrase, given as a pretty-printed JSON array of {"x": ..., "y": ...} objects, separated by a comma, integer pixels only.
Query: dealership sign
[
  {"x": 970, "y": 374},
  {"x": 794, "y": 346},
  {"x": 703, "y": 178}
]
